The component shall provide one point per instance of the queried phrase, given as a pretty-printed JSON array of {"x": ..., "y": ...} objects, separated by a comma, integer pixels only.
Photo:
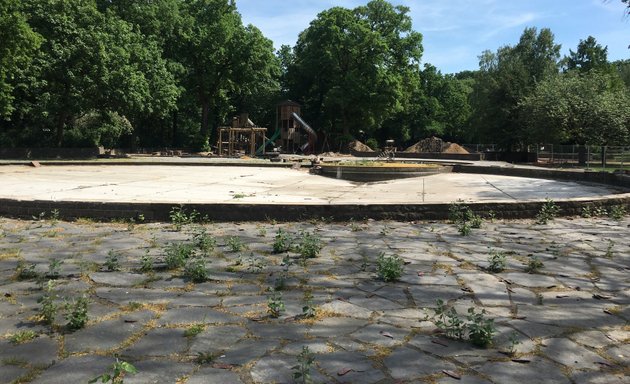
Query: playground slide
[
  {"x": 307, "y": 127},
  {"x": 271, "y": 140}
]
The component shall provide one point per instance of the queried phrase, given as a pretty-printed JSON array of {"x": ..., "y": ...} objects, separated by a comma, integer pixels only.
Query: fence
[{"x": 589, "y": 156}]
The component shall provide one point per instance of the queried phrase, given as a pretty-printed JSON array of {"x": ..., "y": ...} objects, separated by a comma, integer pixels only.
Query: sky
[{"x": 456, "y": 32}]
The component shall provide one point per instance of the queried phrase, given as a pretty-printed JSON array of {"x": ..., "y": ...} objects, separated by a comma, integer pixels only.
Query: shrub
[{"x": 389, "y": 268}]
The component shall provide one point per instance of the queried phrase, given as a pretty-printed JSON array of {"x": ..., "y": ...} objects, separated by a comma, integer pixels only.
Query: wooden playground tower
[
  {"x": 242, "y": 137},
  {"x": 292, "y": 128}
]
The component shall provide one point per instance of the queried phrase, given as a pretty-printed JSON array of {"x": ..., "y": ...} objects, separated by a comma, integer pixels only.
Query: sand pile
[
  {"x": 358, "y": 146},
  {"x": 435, "y": 145}
]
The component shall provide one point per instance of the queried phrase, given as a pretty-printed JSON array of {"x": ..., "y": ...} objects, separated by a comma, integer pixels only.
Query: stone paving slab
[{"x": 568, "y": 323}]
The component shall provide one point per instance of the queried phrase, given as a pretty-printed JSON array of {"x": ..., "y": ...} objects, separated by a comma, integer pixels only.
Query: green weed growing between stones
[
  {"x": 548, "y": 211},
  {"x": 48, "y": 307},
  {"x": 194, "y": 330},
  {"x": 275, "y": 304},
  {"x": 203, "y": 241},
  {"x": 146, "y": 263},
  {"x": 448, "y": 321},
  {"x": 196, "y": 270},
  {"x": 25, "y": 271},
  {"x": 610, "y": 249},
  {"x": 310, "y": 245},
  {"x": 464, "y": 218},
  {"x": 302, "y": 371},
  {"x": 112, "y": 262},
  {"x": 77, "y": 315},
  {"x": 617, "y": 212},
  {"x": 480, "y": 329},
  {"x": 283, "y": 242},
  {"x": 177, "y": 254},
  {"x": 54, "y": 268},
  {"x": 389, "y": 268},
  {"x": 22, "y": 337},
  {"x": 534, "y": 265},
  {"x": 496, "y": 262},
  {"x": 117, "y": 373},
  {"x": 308, "y": 310},
  {"x": 235, "y": 244}
]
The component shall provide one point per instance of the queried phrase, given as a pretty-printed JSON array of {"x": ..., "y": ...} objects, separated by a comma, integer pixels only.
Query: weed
[
  {"x": 514, "y": 341},
  {"x": 480, "y": 329},
  {"x": 389, "y": 268},
  {"x": 22, "y": 337},
  {"x": 609, "y": 249},
  {"x": 302, "y": 371},
  {"x": 497, "y": 262},
  {"x": 203, "y": 241},
  {"x": 54, "y": 216},
  {"x": 355, "y": 227},
  {"x": 262, "y": 231},
  {"x": 282, "y": 242},
  {"x": 78, "y": 313},
  {"x": 617, "y": 212},
  {"x": 235, "y": 244},
  {"x": 40, "y": 217},
  {"x": 117, "y": 373},
  {"x": 280, "y": 283},
  {"x": 275, "y": 304},
  {"x": 196, "y": 270},
  {"x": 464, "y": 228},
  {"x": 54, "y": 268},
  {"x": 179, "y": 217},
  {"x": 255, "y": 264},
  {"x": 464, "y": 218},
  {"x": 310, "y": 245},
  {"x": 492, "y": 216},
  {"x": 547, "y": 212},
  {"x": 146, "y": 263},
  {"x": 48, "y": 309},
  {"x": 24, "y": 271},
  {"x": 308, "y": 310},
  {"x": 177, "y": 254},
  {"x": 111, "y": 262},
  {"x": 534, "y": 265},
  {"x": 448, "y": 321},
  {"x": 194, "y": 330},
  {"x": 239, "y": 195},
  {"x": 205, "y": 357}
]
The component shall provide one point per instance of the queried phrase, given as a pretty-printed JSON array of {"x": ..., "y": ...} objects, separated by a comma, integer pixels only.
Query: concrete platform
[{"x": 237, "y": 186}]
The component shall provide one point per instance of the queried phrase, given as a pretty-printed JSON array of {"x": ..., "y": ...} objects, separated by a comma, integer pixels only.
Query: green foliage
[
  {"x": 54, "y": 268},
  {"x": 389, "y": 268},
  {"x": 275, "y": 304},
  {"x": 534, "y": 265},
  {"x": 547, "y": 212},
  {"x": 22, "y": 337},
  {"x": 514, "y": 341},
  {"x": 180, "y": 217},
  {"x": 116, "y": 374},
  {"x": 308, "y": 310},
  {"x": 196, "y": 270},
  {"x": 77, "y": 315},
  {"x": 610, "y": 249},
  {"x": 48, "y": 307},
  {"x": 617, "y": 212},
  {"x": 283, "y": 242},
  {"x": 194, "y": 330},
  {"x": 24, "y": 271},
  {"x": 464, "y": 218},
  {"x": 302, "y": 371},
  {"x": 235, "y": 244},
  {"x": 477, "y": 328},
  {"x": 177, "y": 254},
  {"x": 112, "y": 262},
  {"x": 146, "y": 263},
  {"x": 480, "y": 329},
  {"x": 203, "y": 241},
  {"x": 496, "y": 262},
  {"x": 309, "y": 245}
]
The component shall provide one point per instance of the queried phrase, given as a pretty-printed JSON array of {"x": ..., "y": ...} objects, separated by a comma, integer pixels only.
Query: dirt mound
[
  {"x": 358, "y": 146},
  {"x": 435, "y": 145}
]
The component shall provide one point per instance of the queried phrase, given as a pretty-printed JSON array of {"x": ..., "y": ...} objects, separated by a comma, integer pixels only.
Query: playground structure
[
  {"x": 292, "y": 134},
  {"x": 242, "y": 137}
]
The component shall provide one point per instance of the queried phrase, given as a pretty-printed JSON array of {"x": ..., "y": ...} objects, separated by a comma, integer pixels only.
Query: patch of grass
[
  {"x": 25, "y": 271},
  {"x": 22, "y": 337},
  {"x": 194, "y": 330}
]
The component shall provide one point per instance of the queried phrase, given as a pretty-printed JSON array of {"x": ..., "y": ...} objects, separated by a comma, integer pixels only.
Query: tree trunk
[
  {"x": 61, "y": 122},
  {"x": 205, "y": 112}
]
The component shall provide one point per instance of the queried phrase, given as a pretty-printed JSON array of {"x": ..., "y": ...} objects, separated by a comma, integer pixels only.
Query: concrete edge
[{"x": 71, "y": 210}]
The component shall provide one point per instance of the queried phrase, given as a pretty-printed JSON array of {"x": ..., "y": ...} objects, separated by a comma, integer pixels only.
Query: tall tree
[
  {"x": 349, "y": 66},
  {"x": 589, "y": 55},
  {"x": 18, "y": 44},
  {"x": 504, "y": 78}
]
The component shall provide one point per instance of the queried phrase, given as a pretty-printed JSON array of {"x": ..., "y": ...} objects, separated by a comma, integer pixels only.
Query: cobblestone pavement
[{"x": 566, "y": 321}]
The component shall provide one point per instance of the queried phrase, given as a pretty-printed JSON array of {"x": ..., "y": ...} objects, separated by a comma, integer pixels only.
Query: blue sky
[{"x": 455, "y": 32}]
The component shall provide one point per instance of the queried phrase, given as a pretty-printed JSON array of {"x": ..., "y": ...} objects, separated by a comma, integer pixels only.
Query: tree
[
  {"x": 504, "y": 78},
  {"x": 349, "y": 67},
  {"x": 18, "y": 43},
  {"x": 583, "y": 108},
  {"x": 589, "y": 55}
]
